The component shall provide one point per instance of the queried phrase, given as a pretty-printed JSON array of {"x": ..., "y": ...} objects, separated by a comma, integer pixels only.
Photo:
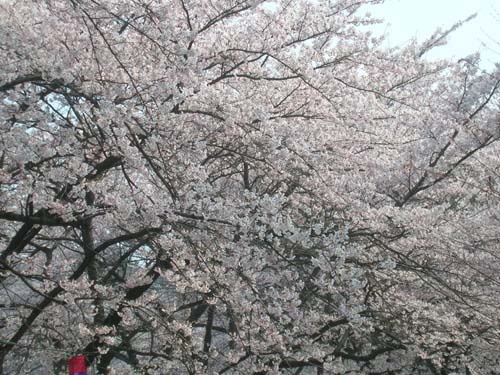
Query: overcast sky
[{"x": 419, "y": 18}]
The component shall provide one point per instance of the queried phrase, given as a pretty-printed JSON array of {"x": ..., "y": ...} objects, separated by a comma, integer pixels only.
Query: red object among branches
[{"x": 77, "y": 366}]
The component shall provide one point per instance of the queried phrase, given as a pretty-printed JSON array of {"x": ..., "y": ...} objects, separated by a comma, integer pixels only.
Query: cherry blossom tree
[{"x": 242, "y": 187}]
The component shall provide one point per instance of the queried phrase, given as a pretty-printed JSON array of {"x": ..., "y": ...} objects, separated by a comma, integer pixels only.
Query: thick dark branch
[
  {"x": 125, "y": 237},
  {"x": 40, "y": 219},
  {"x": 207, "y": 341},
  {"x": 104, "y": 166},
  {"x": 294, "y": 364},
  {"x": 22, "y": 238},
  {"x": 370, "y": 356},
  {"x": 35, "y": 77},
  {"x": 329, "y": 326},
  {"x": 197, "y": 311}
]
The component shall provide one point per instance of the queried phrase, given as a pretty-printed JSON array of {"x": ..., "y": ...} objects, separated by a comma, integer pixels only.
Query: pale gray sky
[{"x": 406, "y": 19}]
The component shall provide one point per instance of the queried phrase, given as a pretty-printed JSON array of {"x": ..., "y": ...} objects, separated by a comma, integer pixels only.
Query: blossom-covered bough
[{"x": 242, "y": 187}]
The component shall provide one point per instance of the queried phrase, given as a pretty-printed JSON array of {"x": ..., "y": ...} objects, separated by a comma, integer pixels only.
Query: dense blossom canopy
[{"x": 242, "y": 187}]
